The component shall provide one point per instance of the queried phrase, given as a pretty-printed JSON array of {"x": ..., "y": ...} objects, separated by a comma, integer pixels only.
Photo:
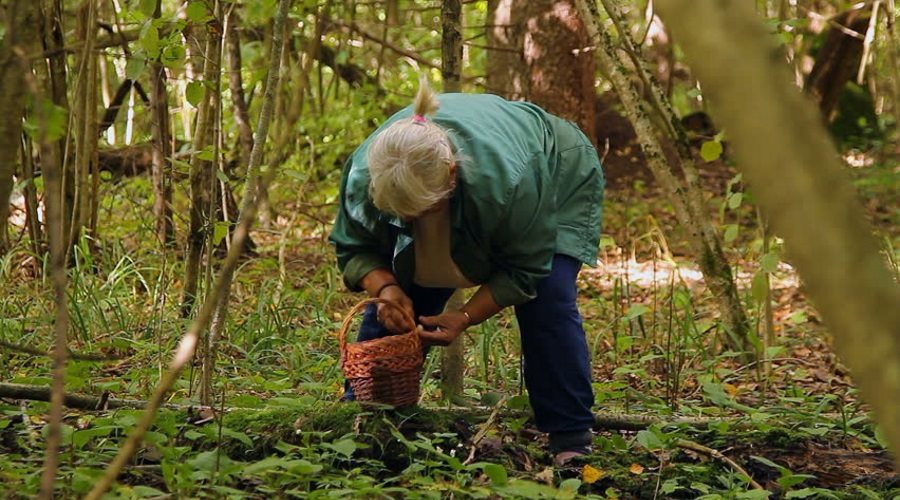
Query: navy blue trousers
[{"x": 557, "y": 363}]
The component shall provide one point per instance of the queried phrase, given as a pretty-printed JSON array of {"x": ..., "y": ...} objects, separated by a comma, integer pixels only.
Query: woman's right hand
[{"x": 390, "y": 317}]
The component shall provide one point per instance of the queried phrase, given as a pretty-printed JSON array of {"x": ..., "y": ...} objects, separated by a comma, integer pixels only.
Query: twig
[
  {"x": 484, "y": 429},
  {"x": 354, "y": 27},
  {"x": 699, "y": 448}
]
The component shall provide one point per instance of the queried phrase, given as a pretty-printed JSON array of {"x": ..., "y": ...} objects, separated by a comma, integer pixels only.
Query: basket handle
[{"x": 342, "y": 334}]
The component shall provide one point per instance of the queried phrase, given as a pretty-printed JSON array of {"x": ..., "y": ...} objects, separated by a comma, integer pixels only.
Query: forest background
[{"x": 170, "y": 305}]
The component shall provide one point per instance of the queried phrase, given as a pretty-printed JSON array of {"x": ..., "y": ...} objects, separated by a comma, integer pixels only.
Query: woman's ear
[{"x": 453, "y": 175}]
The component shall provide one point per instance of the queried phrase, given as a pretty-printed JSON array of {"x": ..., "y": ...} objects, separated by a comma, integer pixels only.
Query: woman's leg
[{"x": 557, "y": 363}]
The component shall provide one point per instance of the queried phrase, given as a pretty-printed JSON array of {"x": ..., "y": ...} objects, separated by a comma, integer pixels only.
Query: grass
[{"x": 653, "y": 333}]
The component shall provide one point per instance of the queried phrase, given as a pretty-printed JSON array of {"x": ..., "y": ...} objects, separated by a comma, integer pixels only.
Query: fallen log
[
  {"x": 603, "y": 420},
  {"x": 72, "y": 400}
]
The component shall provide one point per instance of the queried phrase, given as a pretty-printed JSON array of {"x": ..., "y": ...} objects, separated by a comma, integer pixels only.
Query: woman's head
[{"x": 411, "y": 163}]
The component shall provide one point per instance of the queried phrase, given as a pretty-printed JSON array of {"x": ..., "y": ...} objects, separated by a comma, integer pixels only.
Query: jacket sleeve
[
  {"x": 525, "y": 239},
  {"x": 359, "y": 250}
]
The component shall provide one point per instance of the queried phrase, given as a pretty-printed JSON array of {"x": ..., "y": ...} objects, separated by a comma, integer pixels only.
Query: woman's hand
[
  {"x": 449, "y": 326},
  {"x": 390, "y": 317}
]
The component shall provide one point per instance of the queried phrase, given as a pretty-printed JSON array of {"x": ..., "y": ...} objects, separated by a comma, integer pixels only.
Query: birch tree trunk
[
  {"x": 686, "y": 198},
  {"x": 800, "y": 184},
  {"x": 186, "y": 347},
  {"x": 20, "y": 38},
  {"x": 453, "y": 355}
]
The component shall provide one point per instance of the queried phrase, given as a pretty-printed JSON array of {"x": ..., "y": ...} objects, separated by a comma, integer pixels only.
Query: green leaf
[
  {"x": 497, "y": 474},
  {"x": 734, "y": 200},
  {"x": 731, "y": 232},
  {"x": 669, "y": 486},
  {"x": 146, "y": 492},
  {"x": 149, "y": 40},
  {"x": 711, "y": 150},
  {"x": 223, "y": 178},
  {"x": 716, "y": 394},
  {"x": 147, "y": 7},
  {"x": 193, "y": 92},
  {"x": 519, "y": 402},
  {"x": 240, "y": 436},
  {"x": 649, "y": 440},
  {"x": 173, "y": 54},
  {"x": 81, "y": 438},
  {"x": 766, "y": 461},
  {"x": 134, "y": 67},
  {"x": 220, "y": 230},
  {"x": 264, "y": 465},
  {"x": 303, "y": 467},
  {"x": 197, "y": 12},
  {"x": 804, "y": 493},
  {"x": 759, "y": 286},
  {"x": 206, "y": 154},
  {"x": 769, "y": 262},
  {"x": 569, "y": 488},
  {"x": 48, "y": 121},
  {"x": 636, "y": 310},
  {"x": 208, "y": 460},
  {"x": 345, "y": 447},
  {"x": 753, "y": 495}
]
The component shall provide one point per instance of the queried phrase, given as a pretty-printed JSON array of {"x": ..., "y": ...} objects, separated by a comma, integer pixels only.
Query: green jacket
[{"x": 530, "y": 185}]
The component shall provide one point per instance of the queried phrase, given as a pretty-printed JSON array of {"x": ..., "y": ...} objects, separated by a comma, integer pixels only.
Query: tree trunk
[
  {"x": 57, "y": 214},
  {"x": 229, "y": 206},
  {"x": 837, "y": 61},
  {"x": 162, "y": 151},
  {"x": 52, "y": 80},
  {"x": 85, "y": 124},
  {"x": 161, "y": 157},
  {"x": 236, "y": 85},
  {"x": 686, "y": 198},
  {"x": 19, "y": 39},
  {"x": 453, "y": 355},
  {"x": 201, "y": 176},
  {"x": 32, "y": 220},
  {"x": 505, "y": 59},
  {"x": 801, "y": 185},
  {"x": 538, "y": 53}
]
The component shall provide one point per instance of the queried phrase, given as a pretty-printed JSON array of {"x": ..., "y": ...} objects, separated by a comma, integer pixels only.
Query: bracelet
[{"x": 382, "y": 287}]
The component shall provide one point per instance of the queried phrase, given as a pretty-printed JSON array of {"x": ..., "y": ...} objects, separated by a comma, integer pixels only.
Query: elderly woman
[{"x": 484, "y": 193}]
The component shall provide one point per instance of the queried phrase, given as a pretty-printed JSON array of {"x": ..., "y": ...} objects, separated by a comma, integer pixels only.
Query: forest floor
[{"x": 789, "y": 425}]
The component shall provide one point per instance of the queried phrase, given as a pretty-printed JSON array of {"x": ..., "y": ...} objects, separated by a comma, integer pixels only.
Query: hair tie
[{"x": 418, "y": 119}]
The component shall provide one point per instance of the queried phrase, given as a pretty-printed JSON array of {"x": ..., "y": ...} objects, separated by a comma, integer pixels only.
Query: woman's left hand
[{"x": 448, "y": 326}]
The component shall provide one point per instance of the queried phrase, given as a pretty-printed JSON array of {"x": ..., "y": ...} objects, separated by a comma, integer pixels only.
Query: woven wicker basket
[{"x": 386, "y": 370}]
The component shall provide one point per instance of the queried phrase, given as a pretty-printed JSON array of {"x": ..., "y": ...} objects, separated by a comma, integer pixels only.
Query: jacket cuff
[
  {"x": 359, "y": 266},
  {"x": 506, "y": 292}
]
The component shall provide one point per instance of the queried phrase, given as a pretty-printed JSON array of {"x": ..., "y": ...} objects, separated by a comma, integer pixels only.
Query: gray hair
[{"x": 409, "y": 162}]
